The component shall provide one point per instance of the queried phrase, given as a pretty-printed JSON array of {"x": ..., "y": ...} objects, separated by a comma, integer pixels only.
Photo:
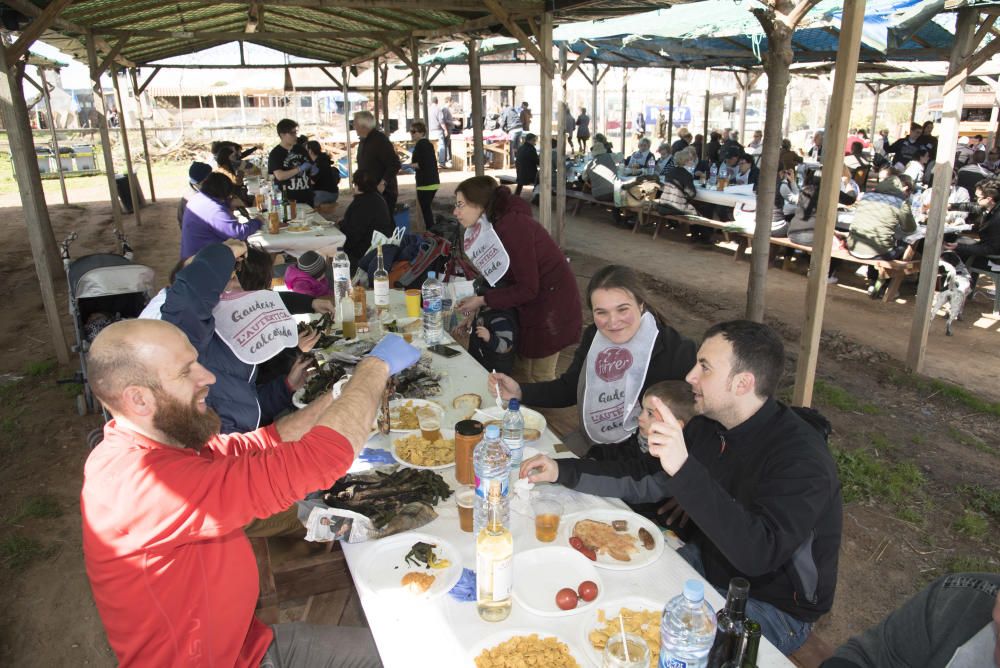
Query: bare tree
[{"x": 779, "y": 19}]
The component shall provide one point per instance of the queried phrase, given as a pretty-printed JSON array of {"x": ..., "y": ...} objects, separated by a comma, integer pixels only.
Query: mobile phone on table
[{"x": 444, "y": 351}]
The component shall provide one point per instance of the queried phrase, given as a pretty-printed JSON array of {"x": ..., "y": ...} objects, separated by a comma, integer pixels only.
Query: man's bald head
[{"x": 130, "y": 352}]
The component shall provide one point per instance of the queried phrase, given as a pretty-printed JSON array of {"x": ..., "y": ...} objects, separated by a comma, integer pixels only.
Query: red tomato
[
  {"x": 587, "y": 590},
  {"x": 566, "y": 599}
]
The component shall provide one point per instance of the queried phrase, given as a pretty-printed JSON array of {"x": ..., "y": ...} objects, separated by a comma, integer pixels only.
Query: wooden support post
[
  {"x": 878, "y": 91},
  {"x": 708, "y": 93},
  {"x": 545, "y": 72},
  {"x": 376, "y": 92},
  {"x": 788, "y": 110},
  {"x": 624, "y": 110},
  {"x": 670, "y": 115},
  {"x": 386, "y": 87},
  {"x": 560, "y": 221},
  {"x": 14, "y": 114},
  {"x": 475, "y": 83},
  {"x": 425, "y": 111},
  {"x": 951, "y": 109},
  {"x": 415, "y": 75},
  {"x": 123, "y": 133},
  {"x": 102, "y": 125},
  {"x": 345, "y": 78},
  {"x": 55, "y": 138},
  {"x": 142, "y": 129},
  {"x": 593, "y": 103},
  {"x": 913, "y": 107},
  {"x": 837, "y": 120},
  {"x": 744, "y": 94}
]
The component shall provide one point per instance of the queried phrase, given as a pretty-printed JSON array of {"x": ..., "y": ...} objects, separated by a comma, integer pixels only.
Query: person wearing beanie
[
  {"x": 308, "y": 275},
  {"x": 197, "y": 174}
]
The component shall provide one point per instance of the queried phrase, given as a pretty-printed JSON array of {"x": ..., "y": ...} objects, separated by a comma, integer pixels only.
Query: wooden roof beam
[
  {"x": 985, "y": 28},
  {"x": 30, "y": 9},
  {"x": 577, "y": 63},
  {"x": 35, "y": 29},
  {"x": 110, "y": 58},
  {"x": 544, "y": 60}
]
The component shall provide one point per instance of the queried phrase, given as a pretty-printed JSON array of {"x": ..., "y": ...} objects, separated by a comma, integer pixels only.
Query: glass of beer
[
  {"x": 430, "y": 423},
  {"x": 722, "y": 182},
  {"x": 548, "y": 512},
  {"x": 465, "y": 499},
  {"x": 273, "y": 223}
]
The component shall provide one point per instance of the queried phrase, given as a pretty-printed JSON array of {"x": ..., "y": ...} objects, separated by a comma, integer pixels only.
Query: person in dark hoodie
[
  {"x": 426, "y": 167},
  {"x": 755, "y": 478},
  {"x": 527, "y": 163},
  {"x": 366, "y": 213},
  {"x": 323, "y": 175}
]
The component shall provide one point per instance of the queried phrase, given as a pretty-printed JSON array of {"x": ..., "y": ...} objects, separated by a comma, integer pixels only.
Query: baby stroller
[{"x": 103, "y": 287}]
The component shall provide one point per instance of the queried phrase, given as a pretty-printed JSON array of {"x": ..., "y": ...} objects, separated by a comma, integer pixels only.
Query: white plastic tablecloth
[
  {"x": 727, "y": 197},
  {"x": 323, "y": 238},
  {"x": 444, "y": 632}
]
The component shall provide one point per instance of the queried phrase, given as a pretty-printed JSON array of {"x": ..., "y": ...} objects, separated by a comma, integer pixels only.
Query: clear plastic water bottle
[
  {"x": 491, "y": 462},
  {"x": 341, "y": 275},
  {"x": 723, "y": 171},
  {"x": 432, "y": 296},
  {"x": 513, "y": 437},
  {"x": 713, "y": 175},
  {"x": 688, "y": 629}
]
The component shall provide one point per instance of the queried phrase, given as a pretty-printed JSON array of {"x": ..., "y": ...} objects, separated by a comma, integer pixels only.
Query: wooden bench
[
  {"x": 579, "y": 198},
  {"x": 995, "y": 275},
  {"x": 506, "y": 180},
  {"x": 301, "y": 569},
  {"x": 650, "y": 215}
]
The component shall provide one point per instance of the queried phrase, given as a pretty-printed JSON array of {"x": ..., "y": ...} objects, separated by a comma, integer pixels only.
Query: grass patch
[
  {"x": 966, "y": 563},
  {"x": 881, "y": 442},
  {"x": 865, "y": 477},
  {"x": 839, "y": 398},
  {"x": 936, "y": 387},
  {"x": 72, "y": 389},
  {"x": 39, "y": 367},
  {"x": 10, "y": 430},
  {"x": 972, "y": 524},
  {"x": 918, "y": 439},
  {"x": 981, "y": 499},
  {"x": 38, "y": 506},
  {"x": 970, "y": 440},
  {"x": 17, "y": 552}
]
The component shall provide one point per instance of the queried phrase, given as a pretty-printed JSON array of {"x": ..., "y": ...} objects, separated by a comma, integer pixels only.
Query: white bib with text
[
  {"x": 485, "y": 250},
  {"x": 615, "y": 375},
  {"x": 255, "y": 325}
]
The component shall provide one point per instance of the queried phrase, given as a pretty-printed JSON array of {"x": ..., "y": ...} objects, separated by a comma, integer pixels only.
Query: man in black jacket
[
  {"x": 755, "y": 479},
  {"x": 377, "y": 155}
]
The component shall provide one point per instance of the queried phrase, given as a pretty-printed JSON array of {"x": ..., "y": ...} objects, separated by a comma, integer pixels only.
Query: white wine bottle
[
  {"x": 381, "y": 284},
  {"x": 494, "y": 562}
]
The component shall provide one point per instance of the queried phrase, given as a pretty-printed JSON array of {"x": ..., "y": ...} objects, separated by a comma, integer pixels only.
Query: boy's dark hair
[
  {"x": 218, "y": 186},
  {"x": 254, "y": 271},
  {"x": 757, "y": 349},
  {"x": 990, "y": 187},
  {"x": 314, "y": 146},
  {"x": 676, "y": 394},
  {"x": 365, "y": 180},
  {"x": 286, "y": 125}
]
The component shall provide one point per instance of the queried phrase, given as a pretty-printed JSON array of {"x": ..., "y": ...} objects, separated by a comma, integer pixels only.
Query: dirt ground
[{"x": 918, "y": 458}]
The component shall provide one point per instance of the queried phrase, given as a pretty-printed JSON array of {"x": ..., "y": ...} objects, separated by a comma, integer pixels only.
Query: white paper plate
[
  {"x": 540, "y": 573},
  {"x": 532, "y": 418},
  {"x": 640, "y": 559},
  {"x": 494, "y": 639},
  {"x": 297, "y": 398},
  {"x": 385, "y": 566},
  {"x": 395, "y": 404},
  {"x": 611, "y": 610},
  {"x": 447, "y": 433}
]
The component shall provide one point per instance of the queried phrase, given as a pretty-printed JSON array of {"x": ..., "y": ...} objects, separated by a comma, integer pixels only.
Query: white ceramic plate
[
  {"x": 639, "y": 559},
  {"x": 447, "y": 433},
  {"x": 532, "y": 418},
  {"x": 395, "y": 405},
  {"x": 611, "y": 610},
  {"x": 385, "y": 566},
  {"x": 298, "y": 228},
  {"x": 494, "y": 639},
  {"x": 542, "y": 572}
]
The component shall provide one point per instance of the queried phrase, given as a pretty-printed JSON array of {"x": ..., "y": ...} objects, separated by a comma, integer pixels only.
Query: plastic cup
[
  {"x": 430, "y": 423},
  {"x": 548, "y": 512},
  {"x": 413, "y": 303},
  {"x": 614, "y": 652},
  {"x": 465, "y": 497}
]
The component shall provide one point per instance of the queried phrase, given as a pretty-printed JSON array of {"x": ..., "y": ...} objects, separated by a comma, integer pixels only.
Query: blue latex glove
[
  {"x": 305, "y": 167},
  {"x": 465, "y": 589},
  {"x": 376, "y": 456},
  {"x": 395, "y": 352},
  {"x": 314, "y": 171}
]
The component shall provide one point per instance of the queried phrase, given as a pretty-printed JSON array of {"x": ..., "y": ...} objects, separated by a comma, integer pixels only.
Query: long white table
[
  {"x": 731, "y": 196},
  {"x": 323, "y": 237},
  {"x": 442, "y": 631}
]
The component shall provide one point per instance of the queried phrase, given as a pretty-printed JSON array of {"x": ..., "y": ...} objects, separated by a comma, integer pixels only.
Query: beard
[{"x": 184, "y": 423}]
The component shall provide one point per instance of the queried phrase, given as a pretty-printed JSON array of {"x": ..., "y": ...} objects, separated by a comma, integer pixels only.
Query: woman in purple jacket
[{"x": 208, "y": 218}]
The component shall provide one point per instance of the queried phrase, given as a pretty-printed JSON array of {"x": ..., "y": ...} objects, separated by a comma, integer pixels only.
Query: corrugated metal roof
[{"x": 334, "y": 31}]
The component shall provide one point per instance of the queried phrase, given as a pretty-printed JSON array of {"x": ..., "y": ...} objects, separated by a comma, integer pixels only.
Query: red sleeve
[
  {"x": 185, "y": 499},
  {"x": 523, "y": 272},
  {"x": 234, "y": 445}
]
